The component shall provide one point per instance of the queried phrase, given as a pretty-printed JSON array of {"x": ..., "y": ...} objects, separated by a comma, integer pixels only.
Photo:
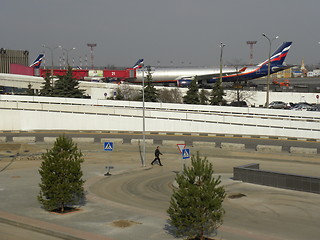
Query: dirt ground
[
  {"x": 243, "y": 199},
  {"x": 28, "y": 155},
  {"x": 24, "y": 155}
]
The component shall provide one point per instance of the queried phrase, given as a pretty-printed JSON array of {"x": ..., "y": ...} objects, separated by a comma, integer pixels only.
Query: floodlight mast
[
  {"x": 251, "y": 43},
  {"x": 92, "y": 45}
]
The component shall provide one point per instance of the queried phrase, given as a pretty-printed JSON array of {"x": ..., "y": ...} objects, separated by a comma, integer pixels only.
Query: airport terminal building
[{"x": 8, "y": 57}]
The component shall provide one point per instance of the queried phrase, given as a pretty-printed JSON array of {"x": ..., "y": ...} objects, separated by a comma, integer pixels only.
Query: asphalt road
[
  {"x": 250, "y": 142},
  {"x": 12, "y": 232}
]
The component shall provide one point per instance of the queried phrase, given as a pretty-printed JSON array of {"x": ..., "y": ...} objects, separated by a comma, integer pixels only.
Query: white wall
[{"x": 42, "y": 113}]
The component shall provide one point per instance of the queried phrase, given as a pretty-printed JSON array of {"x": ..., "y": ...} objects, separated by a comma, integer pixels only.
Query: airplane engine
[{"x": 184, "y": 82}]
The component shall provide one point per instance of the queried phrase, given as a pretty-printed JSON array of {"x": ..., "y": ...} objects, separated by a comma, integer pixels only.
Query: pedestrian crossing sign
[
  {"x": 108, "y": 146},
  {"x": 185, "y": 153}
]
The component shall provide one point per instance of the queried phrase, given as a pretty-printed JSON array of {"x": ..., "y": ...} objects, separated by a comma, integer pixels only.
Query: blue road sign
[
  {"x": 108, "y": 146},
  {"x": 185, "y": 153}
]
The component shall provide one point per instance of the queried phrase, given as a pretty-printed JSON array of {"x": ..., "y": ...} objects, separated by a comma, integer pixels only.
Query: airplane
[
  {"x": 37, "y": 62},
  {"x": 206, "y": 77}
]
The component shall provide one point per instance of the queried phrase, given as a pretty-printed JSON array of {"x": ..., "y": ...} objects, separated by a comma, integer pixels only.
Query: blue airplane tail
[
  {"x": 279, "y": 55},
  {"x": 138, "y": 64},
  {"x": 37, "y": 62}
]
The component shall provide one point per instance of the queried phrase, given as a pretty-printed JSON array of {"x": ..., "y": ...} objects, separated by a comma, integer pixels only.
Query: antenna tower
[
  {"x": 251, "y": 43},
  {"x": 92, "y": 45}
]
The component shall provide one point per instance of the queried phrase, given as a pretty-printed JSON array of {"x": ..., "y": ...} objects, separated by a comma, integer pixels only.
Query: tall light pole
[
  {"x": 51, "y": 50},
  {"x": 221, "y": 51},
  {"x": 143, "y": 120},
  {"x": 219, "y": 83},
  {"x": 67, "y": 52},
  {"x": 268, "y": 77}
]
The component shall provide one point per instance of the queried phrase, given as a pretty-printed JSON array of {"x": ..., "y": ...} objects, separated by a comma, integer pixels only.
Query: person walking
[{"x": 157, "y": 153}]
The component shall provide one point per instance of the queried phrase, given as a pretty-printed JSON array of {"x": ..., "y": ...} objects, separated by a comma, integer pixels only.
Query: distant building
[
  {"x": 8, "y": 57},
  {"x": 283, "y": 74},
  {"x": 297, "y": 73},
  {"x": 304, "y": 70},
  {"x": 314, "y": 73}
]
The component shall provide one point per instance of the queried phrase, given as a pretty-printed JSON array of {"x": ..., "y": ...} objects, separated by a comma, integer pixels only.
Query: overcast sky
[{"x": 163, "y": 32}]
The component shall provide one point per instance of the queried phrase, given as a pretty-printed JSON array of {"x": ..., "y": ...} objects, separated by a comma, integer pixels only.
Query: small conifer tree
[
  {"x": 67, "y": 86},
  {"x": 196, "y": 206},
  {"x": 203, "y": 97},
  {"x": 61, "y": 176},
  {"x": 150, "y": 92},
  {"x": 192, "y": 96},
  {"x": 46, "y": 89},
  {"x": 30, "y": 90},
  {"x": 217, "y": 94}
]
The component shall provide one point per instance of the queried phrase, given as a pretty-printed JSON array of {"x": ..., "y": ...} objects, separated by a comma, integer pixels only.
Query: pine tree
[
  {"x": 196, "y": 206},
  {"x": 46, "y": 89},
  {"x": 217, "y": 94},
  {"x": 192, "y": 96},
  {"x": 61, "y": 176},
  {"x": 150, "y": 92},
  {"x": 30, "y": 90},
  {"x": 67, "y": 86},
  {"x": 203, "y": 97}
]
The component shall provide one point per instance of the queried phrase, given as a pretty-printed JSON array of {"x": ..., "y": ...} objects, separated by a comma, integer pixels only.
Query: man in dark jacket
[{"x": 157, "y": 158}]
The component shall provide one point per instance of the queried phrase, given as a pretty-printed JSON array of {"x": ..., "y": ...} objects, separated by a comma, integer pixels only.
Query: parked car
[
  {"x": 278, "y": 105},
  {"x": 304, "y": 106},
  {"x": 239, "y": 104}
]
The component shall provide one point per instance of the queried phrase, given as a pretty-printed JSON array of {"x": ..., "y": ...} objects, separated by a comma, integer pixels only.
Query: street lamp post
[
  {"x": 219, "y": 83},
  {"x": 268, "y": 76},
  {"x": 51, "y": 50},
  {"x": 221, "y": 51},
  {"x": 67, "y": 52},
  {"x": 143, "y": 121}
]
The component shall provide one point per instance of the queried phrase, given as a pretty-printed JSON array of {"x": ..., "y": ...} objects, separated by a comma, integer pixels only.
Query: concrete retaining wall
[
  {"x": 252, "y": 174},
  {"x": 269, "y": 148},
  {"x": 299, "y": 150}
]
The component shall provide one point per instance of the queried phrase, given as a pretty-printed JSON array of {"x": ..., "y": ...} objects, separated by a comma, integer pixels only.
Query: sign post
[
  {"x": 185, "y": 155},
  {"x": 180, "y": 147},
  {"x": 108, "y": 146}
]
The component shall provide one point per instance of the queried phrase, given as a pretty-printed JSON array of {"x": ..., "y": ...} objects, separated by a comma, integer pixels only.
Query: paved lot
[{"x": 139, "y": 196}]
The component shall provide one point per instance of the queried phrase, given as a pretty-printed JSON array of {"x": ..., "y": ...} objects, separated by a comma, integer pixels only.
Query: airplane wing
[{"x": 216, "y": 75}]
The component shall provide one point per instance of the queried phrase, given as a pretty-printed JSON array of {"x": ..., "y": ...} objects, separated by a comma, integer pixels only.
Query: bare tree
[
  {"x": 170, "y": 95},
  {"x": 239, "y": 96},
  {"x": 128, "y": 92}
]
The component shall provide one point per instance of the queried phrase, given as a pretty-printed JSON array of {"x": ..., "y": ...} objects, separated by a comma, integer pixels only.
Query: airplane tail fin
[
  {"x": 279, "y": 55},
  {"x": 138, "y": 64},
  {"x": 37, "y": 62}
]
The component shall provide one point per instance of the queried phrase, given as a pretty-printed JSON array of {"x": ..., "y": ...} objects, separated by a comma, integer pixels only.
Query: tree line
[
  {"x": 194, "y": 95},
  {"x": 68, "y": 87},
  {"x": 65, "y": 86}
]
